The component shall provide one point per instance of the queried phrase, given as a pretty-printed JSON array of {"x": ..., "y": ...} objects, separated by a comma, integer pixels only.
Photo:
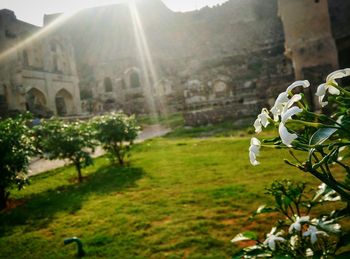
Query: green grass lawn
[{"x": 178, "y": 198}]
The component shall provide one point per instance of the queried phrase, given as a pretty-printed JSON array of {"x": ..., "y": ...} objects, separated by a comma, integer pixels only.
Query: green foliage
[
  {"x": 116, "y": 132},
  {"x": 174, "y": 186},
  {"x": 74, "y": 141},
  {"x": 296, "y": 234},
  {"x": 16, "y": 146},
  {"x": 325, "y": 141}
]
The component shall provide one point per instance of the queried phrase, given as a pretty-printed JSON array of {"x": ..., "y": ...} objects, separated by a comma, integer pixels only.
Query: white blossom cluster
[
  {"x": 298, "y": 230},
  {"x": 284, "y": 109}
]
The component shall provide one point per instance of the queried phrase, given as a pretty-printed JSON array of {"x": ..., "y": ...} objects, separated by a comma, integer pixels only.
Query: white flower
[
  {"x": 272, "y": 238},
  {"x": 282, "y": 99},
  {"x": 294, "y": 241},
  {"x": 321, "y": 92},
  {"x": 287, "y": 137},
  {"x": 298, "y": 222},
  {"x": 262, "y": 120},
  {"x": 337, "y": 75},
  {"x": 328, "y": 225},
  {"x": 328, "y": 194},
  {"x": 331, "y": 196},
  {"x": 280, "y": 103},
  {"x": 303, "y": 83},
  {"x": 254, "y": 151},
  {"x": 330, "y": 85},
  {"x": 313, "y": 232},
  {"x": 309, "y": 252},
  {"x": 295, "y": 98},
  {"x": 287, "y": 115}
]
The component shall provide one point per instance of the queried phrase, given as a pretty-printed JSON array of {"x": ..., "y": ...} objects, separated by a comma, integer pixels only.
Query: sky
[{"x": 32, "y": 11}]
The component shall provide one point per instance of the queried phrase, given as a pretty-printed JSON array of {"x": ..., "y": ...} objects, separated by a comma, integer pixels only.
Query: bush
[
  {"x": 16, "y": 146},
  {"x": 116, "y": 132},
  {"x": 325, "y": 141},
  {"x": 60, "y": 140}
]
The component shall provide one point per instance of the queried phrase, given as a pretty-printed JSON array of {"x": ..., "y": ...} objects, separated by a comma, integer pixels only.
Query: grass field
[{"x": 178, "y": 198}]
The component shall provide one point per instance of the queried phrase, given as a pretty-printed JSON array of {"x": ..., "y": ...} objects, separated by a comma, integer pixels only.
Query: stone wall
[
  {"x": 227, "y": 57},
  {"x": 37, "y": 73}
]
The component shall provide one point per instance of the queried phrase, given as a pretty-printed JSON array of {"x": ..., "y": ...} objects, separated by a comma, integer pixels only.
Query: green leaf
[
  {"x": 322, "y": 135},
  {"x": 248, "y": 235}
]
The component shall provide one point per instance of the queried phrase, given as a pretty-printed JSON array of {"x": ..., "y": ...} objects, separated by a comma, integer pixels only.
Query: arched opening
[
  {"x": 35, "y": 99},
  {"x": 64, "y": 103},
  {"x": 107, "y": 82},
  {"x": 134, "y": 80},
  {"x": 36, "y": 102}
]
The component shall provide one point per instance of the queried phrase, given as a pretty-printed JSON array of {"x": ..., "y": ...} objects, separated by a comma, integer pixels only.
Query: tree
[
  {"x": 116, "y": 132},
  {"x": 15, "y": 149},
  {"x": 61, "y": 140}
]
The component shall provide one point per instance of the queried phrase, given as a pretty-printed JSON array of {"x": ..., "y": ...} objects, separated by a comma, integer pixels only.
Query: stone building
[
  {"x": 37, "y": 69},
  {"x": 224, "y": 62}
]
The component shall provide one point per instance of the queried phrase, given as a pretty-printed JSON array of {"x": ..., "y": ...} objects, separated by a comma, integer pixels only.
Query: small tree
[
  {"x": 116, "y": 132},
  {"x": 15, "y": 149},
  {"x": 72, "y": 141}
]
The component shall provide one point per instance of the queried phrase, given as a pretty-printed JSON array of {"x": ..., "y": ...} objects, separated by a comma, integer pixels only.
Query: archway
[
  {"x": 64, "y": 103},
  {"x": 36, "y": 103},
  {"x": 35, "y": 99},
  {"x": 134, "y": 80},
  {"x": 132, "y": 77},
  {"x": 107, "y": 82}
]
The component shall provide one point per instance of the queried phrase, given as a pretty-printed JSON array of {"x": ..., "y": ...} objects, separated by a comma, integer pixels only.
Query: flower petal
[
  {"x": 320, "y": 100},
  {"x": 303, "y": 83},
  {"x": 282, "y": 98},
  {"x": 294, "y": 99},
  {"x": 254, "y": 151},
  {"x": 257, "y": 125},
  {"x": 321, "y": 90},
  {"x": 252, "y": 158},
  {"x": 289, "y": 113},
  {"x": 264, "y": 119},
  {"x": 313, "y": 238},
  {"x": 286, "y": 137},
  {"x": 255, "y": 142},
  {"x": 272, "y": 244},
  {"x": 338, "y": 74},
  {"x": 333, "y": 90}
]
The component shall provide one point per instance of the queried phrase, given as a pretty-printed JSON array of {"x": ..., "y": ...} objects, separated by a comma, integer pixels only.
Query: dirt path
[{"x": 38, "y": 165}]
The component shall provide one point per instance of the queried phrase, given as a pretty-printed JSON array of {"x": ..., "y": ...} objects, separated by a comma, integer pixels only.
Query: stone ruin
[{"x": 214, "y": 64}]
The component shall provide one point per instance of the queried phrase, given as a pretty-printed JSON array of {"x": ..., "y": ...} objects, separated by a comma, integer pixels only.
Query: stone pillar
[
  {"x": 308, "y": 37},
  {"x": 309, "y": 42}
]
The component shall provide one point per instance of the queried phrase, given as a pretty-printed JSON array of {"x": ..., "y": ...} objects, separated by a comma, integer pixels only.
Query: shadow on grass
[{"x": 39, "y": 209}]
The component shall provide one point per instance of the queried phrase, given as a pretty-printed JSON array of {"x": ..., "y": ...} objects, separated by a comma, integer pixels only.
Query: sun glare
[
  {"x": 148, "y": 67},
  {"x": 36, "y": 36}
]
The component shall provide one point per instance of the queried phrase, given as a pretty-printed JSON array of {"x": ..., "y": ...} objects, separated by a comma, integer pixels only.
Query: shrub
[
  {"x": 325, "y": 139},
  {"x": 16, "y": 146},
  {"x": 61, "y": 140},
  {"x": 116, "y": 132}
]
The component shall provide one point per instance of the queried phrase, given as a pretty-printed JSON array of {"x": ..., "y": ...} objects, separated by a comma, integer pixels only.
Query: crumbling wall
[{"x": 38, "y": 73}]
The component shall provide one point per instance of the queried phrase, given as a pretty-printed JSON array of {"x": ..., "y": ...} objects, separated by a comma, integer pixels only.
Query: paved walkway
[{"x": 38, "y": 165}]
